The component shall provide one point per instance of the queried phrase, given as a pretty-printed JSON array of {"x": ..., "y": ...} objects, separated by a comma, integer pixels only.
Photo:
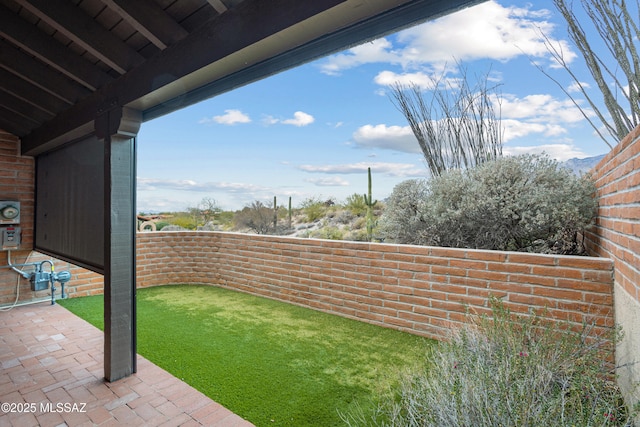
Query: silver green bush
[
  {"x": 404, "y": 220},
  {"x": 523, "y": 203},
  {"x": 508, "y": 371}
]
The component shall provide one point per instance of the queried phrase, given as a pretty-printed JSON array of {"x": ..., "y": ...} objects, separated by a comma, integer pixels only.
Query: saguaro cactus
[
  {"x": 275, "y": 215},
  {"x": 368, "y": 200},
  {"x": 290, "y": 212}
]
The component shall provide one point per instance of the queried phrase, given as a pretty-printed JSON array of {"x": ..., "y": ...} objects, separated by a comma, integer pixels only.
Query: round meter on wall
[{"x": 9, "y": 212}]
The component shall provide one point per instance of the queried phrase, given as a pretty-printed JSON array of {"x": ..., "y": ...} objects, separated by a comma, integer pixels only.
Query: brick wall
[
  {"x": 617, "y": 232},
  {"x": 617, "y": 236},
  {"x": 423, "y": 290},
  {"x": 17, "y": 181}
]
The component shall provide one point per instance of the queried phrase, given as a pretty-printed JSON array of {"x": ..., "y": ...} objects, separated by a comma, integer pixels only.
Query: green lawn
[{"x": 272, "y": 363}]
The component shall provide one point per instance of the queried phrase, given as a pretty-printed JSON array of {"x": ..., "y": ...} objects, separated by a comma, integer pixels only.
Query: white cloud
[
  {"x": 538, "y": 113},
  {"x": 230, "y": 117},
  {"x": 300, "y": 119},
  {"x": 398, "y": 138},
  {"x": 575, "y": 87},
  {"x": 520, "y": 117},
  {"x": 379, "y": 50},
  {"x": 542, "y": 107},
  {"x": 389, "y": 78},
  {"x": 560, "y": 152},
  {"x": 269, "y": 120},
  {"x": 514, "y": 129},
  {"x": 389, "y": 169},
  {"x": 486, "y": 31},
  {"x": 157, "y": 204},
  {"x": 153, "y": 184},
  {"x": 328, "y": 182}
]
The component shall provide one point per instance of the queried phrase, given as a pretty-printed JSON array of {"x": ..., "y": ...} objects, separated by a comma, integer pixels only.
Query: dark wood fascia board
[{"x": 222, "y": 37}]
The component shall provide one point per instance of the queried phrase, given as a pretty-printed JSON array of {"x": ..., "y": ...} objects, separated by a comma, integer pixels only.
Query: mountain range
[{"x": 582, "y": 166}]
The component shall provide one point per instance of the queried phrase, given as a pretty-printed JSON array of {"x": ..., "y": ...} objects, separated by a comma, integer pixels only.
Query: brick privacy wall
[
  {"x": 422, "y": 290},
  {"x": 617, "y": 236},
  {"x": 617, "y": 231},
  {"x": 17, "y": 182}
]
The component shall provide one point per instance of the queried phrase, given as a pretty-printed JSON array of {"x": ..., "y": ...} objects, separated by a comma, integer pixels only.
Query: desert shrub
[
  {"x": 355, "y": 203},
  {"x": 404, "y": 220},
  {"x": 508, "y": 371},
  {"x": 357, "y": 235},
  {"x": 314, "y": 208},
  {"x": 161, "y": 224},
  {"x": 256, "y": 216},
  {"x": 328, "y": 232},
  {"x": 225, "y": 219},
  {"x": 183, "y": 220},
  {"x": 526, "y": 202},
  {"x": 345, "y": 217}
]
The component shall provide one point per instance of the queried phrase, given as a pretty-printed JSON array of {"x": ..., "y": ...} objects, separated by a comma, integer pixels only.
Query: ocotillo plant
[
  {"x": 368, "y": 200},
  {"x": 290, "y": 212}
]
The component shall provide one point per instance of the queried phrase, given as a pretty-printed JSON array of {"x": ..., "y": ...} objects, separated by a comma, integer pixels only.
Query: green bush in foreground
[{"x": 508, "y": 371}]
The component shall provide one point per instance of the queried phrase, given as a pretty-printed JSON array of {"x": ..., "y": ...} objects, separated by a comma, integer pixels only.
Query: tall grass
[{"x": 508, "y": 371}]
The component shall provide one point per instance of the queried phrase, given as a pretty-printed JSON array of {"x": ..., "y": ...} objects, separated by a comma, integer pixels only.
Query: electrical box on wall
[
  {"x": 9, "y": 212},
  {"x": 10, "y": 237},
  {"x": 9, "y": 220}
]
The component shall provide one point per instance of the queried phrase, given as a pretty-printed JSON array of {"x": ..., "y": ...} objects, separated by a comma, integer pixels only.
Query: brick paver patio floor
[{"x": 51, "y": 374}]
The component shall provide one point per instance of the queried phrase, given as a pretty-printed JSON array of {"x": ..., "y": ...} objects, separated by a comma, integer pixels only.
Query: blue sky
[{"x": 312, "y": 131}]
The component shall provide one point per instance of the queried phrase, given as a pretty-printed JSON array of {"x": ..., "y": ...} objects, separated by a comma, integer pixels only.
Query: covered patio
[
  {"x": 52, "y": 373},
  {"x": 78, "y": 78}
]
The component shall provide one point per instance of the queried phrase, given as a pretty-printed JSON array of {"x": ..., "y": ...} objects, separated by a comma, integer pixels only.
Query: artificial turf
[{"x": 272, "y": 363}]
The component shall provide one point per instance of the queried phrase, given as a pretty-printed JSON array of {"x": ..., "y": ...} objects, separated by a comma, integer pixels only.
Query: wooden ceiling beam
[
  {"x": 23, "y": 108},
  {"x": 31, "y": 93},
  {"x": 146, "y": 17},
  {"x": 15, "y": 123},
  {"x": 48, "y": 50},
  {"x": 218, "y": 6},
  {"x": 34, "y": 71},
  {"x": 84, "y": 31}
]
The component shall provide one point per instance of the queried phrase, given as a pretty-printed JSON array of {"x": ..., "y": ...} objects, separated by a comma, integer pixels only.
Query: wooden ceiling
[{"x": 63, "y": 62}]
